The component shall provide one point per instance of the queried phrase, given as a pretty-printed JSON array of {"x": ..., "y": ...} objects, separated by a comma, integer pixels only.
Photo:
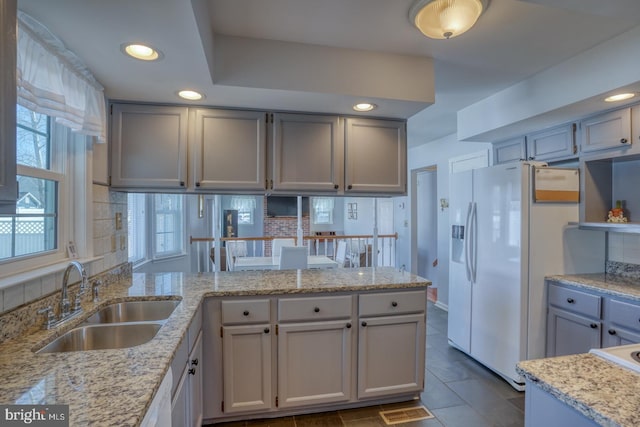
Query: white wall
[{"x": 434, "y": 153}]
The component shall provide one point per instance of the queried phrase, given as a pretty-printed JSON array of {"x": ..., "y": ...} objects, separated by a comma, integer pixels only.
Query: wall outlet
[
  {"x": 123, "y": 243},
  {"x": 118, "y": 220},
  {"x": 113, "y": 243}
]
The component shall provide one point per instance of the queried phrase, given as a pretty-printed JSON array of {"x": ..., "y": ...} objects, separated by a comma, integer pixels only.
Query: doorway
[{"x": 426, "y": 202}]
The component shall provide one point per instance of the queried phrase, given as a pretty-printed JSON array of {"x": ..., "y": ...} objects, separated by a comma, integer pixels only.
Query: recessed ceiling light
[
  {"x": 190, "y": 95},
  {"x": 141, "y": 51},
  {"x": 619, "y": 97},
  {"x": 365, "y": 106}
]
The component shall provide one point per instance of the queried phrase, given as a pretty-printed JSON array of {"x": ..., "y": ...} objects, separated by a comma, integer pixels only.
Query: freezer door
[
  {"x": 497, "y": 298},
  {"x": 461, "y": 196}
]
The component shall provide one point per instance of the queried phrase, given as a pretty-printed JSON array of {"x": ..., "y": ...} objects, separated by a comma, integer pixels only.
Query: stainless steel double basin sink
[{"x": 119, "y": 325}]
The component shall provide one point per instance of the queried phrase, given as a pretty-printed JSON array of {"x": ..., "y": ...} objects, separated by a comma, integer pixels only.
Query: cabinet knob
[
  {"x": 192, "y": 371},
  {"x": 197, "y": 184},
  {"x": 593, "y": 325},
  {"x": 531, "y": 158},
  {"x": 349, "y": 187},
  {"x": 348, "y": 325},
  {"x": 623, "y": 140},
  {"x": 316, "y": 309},
  {"x": 394, "y": 304},
  {"x": 194, "y": 362},
  {"x": 612, "y": 331},
  {"x": 570, "y": 300},
  {"x": 181, "y": 183},
  {"x": 336, "y": 186},
  {"x": 266, "y": 330},
  {"x": 245, "y": 313},
  {"x": 364, "y": 323}
]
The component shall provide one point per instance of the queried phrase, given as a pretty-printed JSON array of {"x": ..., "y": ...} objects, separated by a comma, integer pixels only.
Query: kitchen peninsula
[{"x": 116, "y": 387}]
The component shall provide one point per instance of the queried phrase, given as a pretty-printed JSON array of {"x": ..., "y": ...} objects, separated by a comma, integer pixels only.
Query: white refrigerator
[{"x": 503, "y": 244}]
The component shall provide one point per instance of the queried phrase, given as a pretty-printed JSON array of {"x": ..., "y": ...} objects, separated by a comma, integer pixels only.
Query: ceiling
[{"x": 214, "y": 46}]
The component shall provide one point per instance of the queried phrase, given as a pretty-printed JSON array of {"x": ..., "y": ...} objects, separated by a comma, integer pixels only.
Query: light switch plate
[{"x": 118, "y": 220}]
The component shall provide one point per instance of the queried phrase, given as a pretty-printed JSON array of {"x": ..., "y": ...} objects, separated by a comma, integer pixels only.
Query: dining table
[{"x": 272, "y": 263}]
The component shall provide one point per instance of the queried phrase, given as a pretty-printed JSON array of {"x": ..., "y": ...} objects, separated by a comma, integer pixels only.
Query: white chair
[
  {"x": 235, "y": 249},
  {"x": 293, "y": 257},
  {"x": 276, "y": 244},
  {"x": 341, "y": 253}
]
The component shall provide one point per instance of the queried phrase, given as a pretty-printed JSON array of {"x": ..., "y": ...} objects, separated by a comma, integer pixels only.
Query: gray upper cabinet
[
  {"x": 552, "y": 144},
  {"x": 511, "y": 150},
  {"x": 307, "y": 153},
  {"x": 148, "y": 146},
  {"x": 8, "y": 184},
  {"x": 605, "y": 131},
  {"x": 228, "y": 150},
  {"x": 375, "y": 156}
]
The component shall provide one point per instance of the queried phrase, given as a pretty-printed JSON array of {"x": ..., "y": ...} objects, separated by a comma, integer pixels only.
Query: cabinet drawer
[
  {"x": 249, "y": 311},
  {"x": 624, "y": 314},
  {"x": 392, "y": 303},
  {"x": 309, "y": 309},
  {"x": 576, "y": 301}
]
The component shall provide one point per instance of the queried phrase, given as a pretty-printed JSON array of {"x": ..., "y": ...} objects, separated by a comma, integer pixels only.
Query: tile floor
[{"x": 458, "y": 391}]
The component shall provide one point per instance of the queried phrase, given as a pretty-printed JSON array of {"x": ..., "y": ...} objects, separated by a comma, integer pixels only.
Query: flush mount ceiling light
[
  {"x": 444, "y": 19},
  {"x": 141, "y": 51},
  {"x": 190, "y": 95},
  {"x": 619, "y": 97},
  {"x": 365, "y": 106}
]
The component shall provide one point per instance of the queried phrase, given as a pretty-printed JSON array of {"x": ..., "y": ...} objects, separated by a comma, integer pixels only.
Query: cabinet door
[
  {"x": 552, "y": 144},
  {"x": 314, "y": 363},
  {"x": 148, "y": 146},
  {"x": 307, "y": 153},
  {"x": 511, "y": 150},
  {"x": 8, "y": 183},
  {"x": 228, "y": 149},
  {"x": 246, "y": 361},
  {"x": 569, "y": 333},
  {"x": 614, "y": 336},
  {"x": 608, "y": 130},
  {"x": 195, "y": 383},
  {"x": 382, "y": 370},
  {"x": 375, "y": 156},
  {"x": 180, "y": 403}
]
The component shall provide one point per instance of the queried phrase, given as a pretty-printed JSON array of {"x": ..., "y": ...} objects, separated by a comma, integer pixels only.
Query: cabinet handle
[
  {"x": 593, "y": 325},
  {"x": 336, "y": 186},
  {"x": 612, "y": 331},
  {"x": 181, "y": 183},
  {"x": 364, "y": 323},
  {"x": 271, "y": 184},
  {"x": 394, "y": 304},
  {"x": 266, "y": 330},
  {"x": 570, "y": 300},
  {"x": 531, "y": 158},
  {"x": 348, "y": 325},
  {"x": 623, "y": 140},
  {"x": 316, "y": 309},
  {"x": 245, "y": 313},
  {"x": 192, "y": 371},
  {"x": 194, "y": 362},
  {"x": 197, "y": 184},
  {"x": 349, "y": 187}
]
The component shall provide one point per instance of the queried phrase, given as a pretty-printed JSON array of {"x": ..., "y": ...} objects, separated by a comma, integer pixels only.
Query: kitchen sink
[
  {"x": 102, "y": 337},
  {"x": 134, "y": 311}
]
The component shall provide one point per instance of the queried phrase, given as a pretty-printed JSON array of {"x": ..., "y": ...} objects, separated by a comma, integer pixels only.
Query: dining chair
[
  {"x": 235, "y": 249},
  {"x": 276, "y": 244},
  {"x": 341, "y": 253},
  {"x": 293, "y": 257}
]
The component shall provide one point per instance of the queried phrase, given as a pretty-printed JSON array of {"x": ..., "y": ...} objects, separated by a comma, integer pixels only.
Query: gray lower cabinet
[
  {"x": 148, "y": 146},
  {"x": 186, "y": 393},
  {"x": 543, "y": 409},
  {"x": 579, "y": 320},
  {"x": 8, "y": 183},
  {"x": 375, "y": 156}
]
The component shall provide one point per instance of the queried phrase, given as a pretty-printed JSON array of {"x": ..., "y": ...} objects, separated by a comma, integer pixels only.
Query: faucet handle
[{"x": 48, "y": 310}]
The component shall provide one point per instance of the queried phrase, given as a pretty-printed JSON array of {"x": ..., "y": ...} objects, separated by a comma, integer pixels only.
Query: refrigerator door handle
[
  {"x": 467, "y": 246},
  {"x": 474, "y": 243}
]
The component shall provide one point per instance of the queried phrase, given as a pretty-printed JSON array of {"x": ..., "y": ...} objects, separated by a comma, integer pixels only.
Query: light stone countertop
[
  {"x": 116, "y": 387},
  {"x": 600, "y": 390}
]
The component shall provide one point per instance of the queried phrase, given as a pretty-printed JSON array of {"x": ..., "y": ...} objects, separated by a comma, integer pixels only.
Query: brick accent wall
[{"x": 283, "y": 227}]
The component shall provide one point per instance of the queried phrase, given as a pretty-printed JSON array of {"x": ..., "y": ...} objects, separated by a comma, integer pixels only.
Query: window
[
  {"x": 245, "y": 205},
  {"x": 322, "y": 210},
  {"x": 137, "y": 227},
  {"x": 169, "y": 225},
  {"x": 34, "y": 228}
]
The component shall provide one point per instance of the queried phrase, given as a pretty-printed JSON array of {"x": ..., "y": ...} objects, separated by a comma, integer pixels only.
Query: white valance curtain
[
  {"x": 52, "y": 80},
  {"x": 243, "y": 203}
]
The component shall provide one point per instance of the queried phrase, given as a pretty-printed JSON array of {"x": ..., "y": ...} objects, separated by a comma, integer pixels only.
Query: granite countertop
[
  {"x": 600, "y": 390},
  {"x": 612, "y": 284},
  {"x": 116, "y": 387}
]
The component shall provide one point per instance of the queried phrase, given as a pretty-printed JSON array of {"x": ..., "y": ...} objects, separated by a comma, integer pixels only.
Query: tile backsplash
[{"x": 109, "y": 243}]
